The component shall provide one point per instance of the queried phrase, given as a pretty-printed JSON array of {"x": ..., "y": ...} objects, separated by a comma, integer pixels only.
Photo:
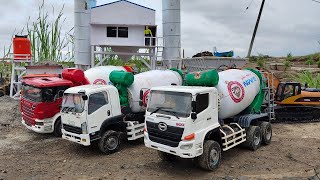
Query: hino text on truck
[
  {"x": 214, "y": 112},
  {"x": 104, "y": 114}
]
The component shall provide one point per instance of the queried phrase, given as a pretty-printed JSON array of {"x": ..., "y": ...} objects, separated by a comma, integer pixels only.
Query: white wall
[
  {"x": 135, "y": 36},
  {"x": 122, "y": 13}
]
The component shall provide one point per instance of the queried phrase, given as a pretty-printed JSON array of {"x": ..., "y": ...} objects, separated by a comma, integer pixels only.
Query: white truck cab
[
  {"x": 93, "y": 112},
  {"x": 184, "y": 121},
  {"x": 169, "y": 125}
]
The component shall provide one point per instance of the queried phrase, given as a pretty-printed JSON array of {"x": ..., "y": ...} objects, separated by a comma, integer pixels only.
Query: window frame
[
  {"x": 203, "y": 107},
  {"x": 116, "y": 28},
  {"x": 106, "y": 102}
]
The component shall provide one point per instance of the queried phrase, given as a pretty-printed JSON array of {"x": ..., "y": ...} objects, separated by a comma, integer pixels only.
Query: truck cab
[
  {"x": 184, "y": 121},
  {"x": 93, "y": 113},
  {"x": 40, "y": 101},
  {"x": 84, "y": 109},
  {"x": 172, "y": 123}
]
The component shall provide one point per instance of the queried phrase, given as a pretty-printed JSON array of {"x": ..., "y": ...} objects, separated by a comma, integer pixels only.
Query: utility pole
[{"x": 255, "y": 29}]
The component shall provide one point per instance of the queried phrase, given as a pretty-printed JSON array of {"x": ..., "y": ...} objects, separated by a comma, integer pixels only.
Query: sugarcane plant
[
  {"x": 47, "y": 40},
  {"x": 306, "y": 77}
]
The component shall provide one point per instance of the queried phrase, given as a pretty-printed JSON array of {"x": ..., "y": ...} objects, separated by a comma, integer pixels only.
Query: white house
[{"x": 120, "y": 26}]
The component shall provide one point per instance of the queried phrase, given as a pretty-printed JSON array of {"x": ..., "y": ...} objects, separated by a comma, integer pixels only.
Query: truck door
[
  {"x": 99, "y": 109},
  {"x": 203, "y": 116}
]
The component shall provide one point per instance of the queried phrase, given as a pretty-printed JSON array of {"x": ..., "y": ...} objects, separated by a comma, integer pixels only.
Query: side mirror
[
  {"x": 194, "y": 116},
  {"x": 141, "y": 97},
  {"x": 194, "y": 106},
  {"x": 85, "y": 97},
  {"x": 49, "y": 92}
]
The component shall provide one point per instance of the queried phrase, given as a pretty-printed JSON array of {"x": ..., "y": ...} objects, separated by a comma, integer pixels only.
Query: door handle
[
  {"x": 108, "y": 112},
  {"x": 209, "y": 118}
]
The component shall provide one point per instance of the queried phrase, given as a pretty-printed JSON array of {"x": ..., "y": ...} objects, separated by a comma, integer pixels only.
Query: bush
[
  {"x": 287, "y": 64},
  {"x": 313, "y": 80},
  {"x": 318, "y": 63},
  {"x": 289, "y": 57},
  {"x": 309, "y": 62}
]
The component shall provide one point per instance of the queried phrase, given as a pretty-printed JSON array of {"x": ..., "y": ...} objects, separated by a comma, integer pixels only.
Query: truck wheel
[
  {"x": 109, "y": 142},
  {"x": 166, "y": 156},
  {"x": 57, "y": 128},
  {"x": 253, "y": 137},
  {"x": 211, "y": 157},
  {"x": 266, "y": 132}
]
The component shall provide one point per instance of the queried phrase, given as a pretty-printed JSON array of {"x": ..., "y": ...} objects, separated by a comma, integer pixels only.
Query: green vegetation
[
  {"x": 287, "y": 64},
  {"x": 136, "y": 63},
  {"x": 310, "y": 61},
  {"x": 313, "y": 80},
  {"x": 46, "y": 37},
  {"x": 289, "y": 57},
  {"x": 260, "y": 60}
]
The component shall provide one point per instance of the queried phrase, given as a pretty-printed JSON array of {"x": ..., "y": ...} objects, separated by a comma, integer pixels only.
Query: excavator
[{"x": 296, "y": 103}]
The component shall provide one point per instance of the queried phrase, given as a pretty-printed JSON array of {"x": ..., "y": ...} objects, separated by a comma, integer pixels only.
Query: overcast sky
[{"x": 286, "y": 25}]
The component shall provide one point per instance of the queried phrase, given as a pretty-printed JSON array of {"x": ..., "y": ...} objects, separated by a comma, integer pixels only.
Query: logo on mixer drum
[
  {"x": 99, "y": 82},
  {"x": 236, "y": 91},
  {"x": 145, "y": 97},
  {"x": 197, "y": 75}
]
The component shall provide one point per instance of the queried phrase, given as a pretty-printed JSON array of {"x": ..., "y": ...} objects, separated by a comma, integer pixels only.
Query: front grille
[
  {"x": 170, "y": 137},
  {"x": 28, "y": 114},
  {"x": 28, "y": 120},
  {"x": 72, "y": 129}
]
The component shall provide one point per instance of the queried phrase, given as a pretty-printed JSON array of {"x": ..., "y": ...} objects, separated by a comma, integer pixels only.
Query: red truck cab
[{"x": 41, "y": 99}]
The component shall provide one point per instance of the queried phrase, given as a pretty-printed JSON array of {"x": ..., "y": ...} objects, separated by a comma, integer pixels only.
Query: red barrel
[{"x": 21, "y": 48}]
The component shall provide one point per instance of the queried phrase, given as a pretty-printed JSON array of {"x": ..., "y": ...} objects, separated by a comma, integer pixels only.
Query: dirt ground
[{"x": 294, "y": 153}]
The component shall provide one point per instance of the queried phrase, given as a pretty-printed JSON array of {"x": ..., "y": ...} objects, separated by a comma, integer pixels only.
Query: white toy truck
[
  {"x": 200, "y": 122},
  {"x": 103, "y": 113}
]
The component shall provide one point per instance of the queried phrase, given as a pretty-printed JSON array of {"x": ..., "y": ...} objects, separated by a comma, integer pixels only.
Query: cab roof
[
  {"x": 42, "y": 82},
  {"x": 88, "y": 89},
  {"x": 186, "y": 89}
]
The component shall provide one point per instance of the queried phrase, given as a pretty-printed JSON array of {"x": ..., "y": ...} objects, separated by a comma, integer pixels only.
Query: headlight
[
  {"x": 84, "y": 128},
  {"x": 186, "y": 146}
]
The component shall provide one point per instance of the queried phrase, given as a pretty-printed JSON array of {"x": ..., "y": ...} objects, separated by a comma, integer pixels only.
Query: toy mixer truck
[
  {"x": 108, "y": 114},
  {"x": 41, "y": 95},
  {"x": 213, "y": 113}
]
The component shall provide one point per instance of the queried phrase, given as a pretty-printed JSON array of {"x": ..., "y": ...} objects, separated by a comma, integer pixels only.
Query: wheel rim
[
  {"x": 214, "y": 157},
  {"x": 268, "y": 133},
  {"x": 111, "y": 143},
  {"x": 256, "y": 138}
]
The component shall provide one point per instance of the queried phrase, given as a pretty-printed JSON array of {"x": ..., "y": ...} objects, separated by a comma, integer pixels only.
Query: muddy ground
[{"x": 294, "y": 153}]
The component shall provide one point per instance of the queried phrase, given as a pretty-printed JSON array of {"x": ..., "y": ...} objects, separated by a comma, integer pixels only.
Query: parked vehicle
[
  {"x": 104, "y": 114},
  {"x": 41, "y": 95},
  {"x": 214, "y": 113}
]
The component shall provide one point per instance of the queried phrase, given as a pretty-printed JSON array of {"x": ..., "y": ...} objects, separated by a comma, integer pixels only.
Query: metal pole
[{"x": 255, "y": 29}]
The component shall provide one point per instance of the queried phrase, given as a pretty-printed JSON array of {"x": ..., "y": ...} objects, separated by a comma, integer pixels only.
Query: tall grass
[
  {"x": 313, "y": 80},
  {"x": 47, "y": 40}
]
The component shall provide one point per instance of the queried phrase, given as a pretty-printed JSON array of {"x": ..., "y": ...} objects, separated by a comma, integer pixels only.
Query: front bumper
[
  {"x": 83, "y": 139},
  {"x": 47, "y": 126},
  {"x": 192, "y": 152}
]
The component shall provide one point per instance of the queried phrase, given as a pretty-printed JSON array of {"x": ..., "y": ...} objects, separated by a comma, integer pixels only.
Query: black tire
[
  {"x": 57, "y": 128},
  {"x": 253, "y": 137},
  {"x": 166, "y": 156},
  {"x": 266, "y": 132},
  {"x": 211, "y": 157},
  {"x": 109, "y": 142}
]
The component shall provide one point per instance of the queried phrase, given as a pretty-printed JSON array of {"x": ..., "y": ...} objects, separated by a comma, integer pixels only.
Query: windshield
[
  {"x": 32, "y": 93},
  {"x": 170, "y": 103},
  {"x": 72, "y": 103}
]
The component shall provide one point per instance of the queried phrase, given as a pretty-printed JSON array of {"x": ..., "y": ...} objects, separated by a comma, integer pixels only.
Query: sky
[{"x": 286, "y": 26}]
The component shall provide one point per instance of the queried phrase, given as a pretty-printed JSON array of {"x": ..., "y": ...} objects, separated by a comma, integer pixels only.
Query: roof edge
[{"x": 124, "y": 1}]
